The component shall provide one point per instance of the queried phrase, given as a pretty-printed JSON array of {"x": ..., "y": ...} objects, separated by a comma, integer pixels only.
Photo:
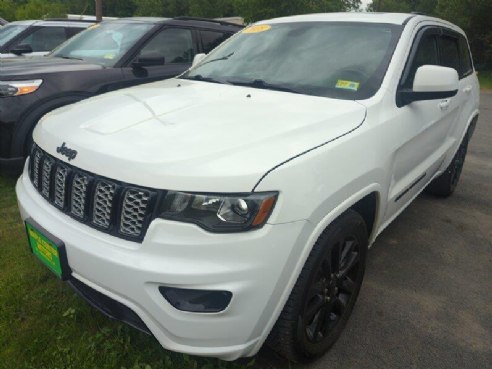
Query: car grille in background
[{"x": 113, "y": 207}]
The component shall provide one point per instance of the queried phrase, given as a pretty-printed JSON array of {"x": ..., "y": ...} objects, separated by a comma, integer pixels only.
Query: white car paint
[{"x": 322, "y": 155}]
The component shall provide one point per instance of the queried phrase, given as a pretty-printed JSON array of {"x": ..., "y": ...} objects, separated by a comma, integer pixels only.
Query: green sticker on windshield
[{"x": 347, "y": 85}]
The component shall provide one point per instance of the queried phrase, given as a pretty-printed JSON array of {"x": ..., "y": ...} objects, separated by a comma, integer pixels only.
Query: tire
[
  {"x": 445, "y": 184},
  {"x": 324, "y": 295}
]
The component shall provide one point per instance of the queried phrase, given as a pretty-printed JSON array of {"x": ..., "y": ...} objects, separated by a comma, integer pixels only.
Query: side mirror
[
  {"x": 148, "y": 60},
  {"x": 431, "y": 82},
  {"x": 198, "y": 58},
  {"x": 21, "y": 49}
]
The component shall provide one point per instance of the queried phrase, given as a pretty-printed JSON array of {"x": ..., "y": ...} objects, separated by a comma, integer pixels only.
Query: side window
[
  {"x": 465, "y": 58},
  {"x": 44, "y": 39},
  {"x": 72, "y": 31},
  {"x": 174, "y": 44},
  {"x": 426, "y": 54},
  {"x": 450, "y": 53},
  {"x": 212, "y": 39}
]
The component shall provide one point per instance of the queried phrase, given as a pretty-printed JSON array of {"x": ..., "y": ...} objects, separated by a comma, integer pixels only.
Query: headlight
[
  {"x": 217, "y": 212},
  {"x": 17, "y": 88}
]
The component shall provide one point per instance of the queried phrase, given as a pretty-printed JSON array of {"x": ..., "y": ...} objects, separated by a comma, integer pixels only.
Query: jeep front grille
[{"x": 111, "y": 206}]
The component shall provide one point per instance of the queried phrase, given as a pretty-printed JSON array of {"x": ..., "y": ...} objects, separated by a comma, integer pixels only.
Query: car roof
[
  {"x": 204, "y": 22},
  {"x": 53, "y": 23},
  {"x": 367, "y": 17}
]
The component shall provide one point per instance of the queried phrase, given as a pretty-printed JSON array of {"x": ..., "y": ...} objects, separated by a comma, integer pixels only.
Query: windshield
[
  {"x": 9, "y": 31},
  {"x": 332, "y": 59},
  {"x": 103, "y": 43}
]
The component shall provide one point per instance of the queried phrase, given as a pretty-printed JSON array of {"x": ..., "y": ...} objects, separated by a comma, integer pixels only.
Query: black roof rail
[
  {"x": 418, "y": 13},
  {"x": 69, "y": 20},
  {"x": 224, "y": 23}
]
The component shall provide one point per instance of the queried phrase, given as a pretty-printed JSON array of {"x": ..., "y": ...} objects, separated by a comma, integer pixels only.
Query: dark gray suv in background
[{"x": 107, "y": 56}]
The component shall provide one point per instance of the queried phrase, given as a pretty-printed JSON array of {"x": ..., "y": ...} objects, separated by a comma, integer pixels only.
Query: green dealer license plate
[{"x": 48, "y": 249}]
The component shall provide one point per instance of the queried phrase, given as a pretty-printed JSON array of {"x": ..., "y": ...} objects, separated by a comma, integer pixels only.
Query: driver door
[
  {"x": 175, "y": 46},
  {"x": 423, "y": 126}
]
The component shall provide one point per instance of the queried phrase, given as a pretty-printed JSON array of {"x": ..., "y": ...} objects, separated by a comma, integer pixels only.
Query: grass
[
  {"x": 485, "y": 78},
  {"x": 44, "y": 325}
]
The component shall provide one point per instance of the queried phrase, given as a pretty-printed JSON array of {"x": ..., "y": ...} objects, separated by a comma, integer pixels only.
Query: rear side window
[
  {"x": 450, "y": 53},
  {"x": 465, "y": 58},
  {"x": 174, "y": 44},
  {"x": 426, "y": 54},
  {"x": 212, "y": 39},
  {"x": 44, "y": 39}
]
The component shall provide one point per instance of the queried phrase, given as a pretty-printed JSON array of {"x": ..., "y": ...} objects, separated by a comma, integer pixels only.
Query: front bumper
[{"x": 251, "y": 265}]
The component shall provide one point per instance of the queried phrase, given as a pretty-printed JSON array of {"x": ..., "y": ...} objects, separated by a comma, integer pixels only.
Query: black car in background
[{"x": 106, "y": 57}]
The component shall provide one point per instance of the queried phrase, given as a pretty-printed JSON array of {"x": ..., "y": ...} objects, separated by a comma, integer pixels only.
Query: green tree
[
  {"x": 162, "y": 8},
  {"x": 254, "y": 10},
  {"x": 38, "y": 9},
  {"x": 7, "y": 10}
]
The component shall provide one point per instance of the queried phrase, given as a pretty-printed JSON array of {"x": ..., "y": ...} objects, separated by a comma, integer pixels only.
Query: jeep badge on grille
[{"x": 65, "y": 151}]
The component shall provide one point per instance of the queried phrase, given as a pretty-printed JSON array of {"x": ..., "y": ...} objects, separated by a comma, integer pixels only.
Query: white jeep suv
[{"x": 235, "y": 204}]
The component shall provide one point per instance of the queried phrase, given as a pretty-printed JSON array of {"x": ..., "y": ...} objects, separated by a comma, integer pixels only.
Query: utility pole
[{"x": 99, "y": 10}]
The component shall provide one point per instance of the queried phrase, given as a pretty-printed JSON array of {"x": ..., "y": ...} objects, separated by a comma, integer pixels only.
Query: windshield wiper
[
  {"x": 68, "y": 57},
  {"x": 259, "y": 83},
  {"x": 218, "y": 59},
  {"x": 199, "y": 77}
]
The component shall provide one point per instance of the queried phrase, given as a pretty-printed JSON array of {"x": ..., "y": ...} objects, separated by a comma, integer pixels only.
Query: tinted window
[
  {"x": 44, "y": 39},
  {"x": 104, "y": 43},
  {"x": 426, "y": 54},
  {"x": 333, "y": 59},
  {"x": 174, "y": 44},
  {"x": 212, "y": 39},
  {"x": 465, "y": 58},
  {"x": 9, "y": 31},
  {"x": 450, "y": 54},
  {"x": 72, "y": 31}
]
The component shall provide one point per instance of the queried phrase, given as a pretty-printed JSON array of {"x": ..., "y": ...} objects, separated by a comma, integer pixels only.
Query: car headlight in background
[
  {"x": 219, "y": 212},
  {"x": 17, "y": 88}
]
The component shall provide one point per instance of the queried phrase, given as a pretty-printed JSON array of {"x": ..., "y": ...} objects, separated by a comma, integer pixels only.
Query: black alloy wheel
[
  {"x": 325, "y": 293},
  {"x": 332, "y": 289}
]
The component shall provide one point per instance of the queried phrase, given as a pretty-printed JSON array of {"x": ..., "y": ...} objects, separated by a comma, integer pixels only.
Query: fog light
[{"x": 196, "y": 301}]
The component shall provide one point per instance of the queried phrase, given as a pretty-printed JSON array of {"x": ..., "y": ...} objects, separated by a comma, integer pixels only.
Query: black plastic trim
[
  {"x": 109, "y": 307},
  {"x": 410, "y": 187}
]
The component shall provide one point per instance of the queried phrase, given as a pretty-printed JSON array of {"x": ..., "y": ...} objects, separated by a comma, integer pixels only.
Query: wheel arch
[
  {"x": 367, "y": 200},
  {"x": 31, "y": 116}
]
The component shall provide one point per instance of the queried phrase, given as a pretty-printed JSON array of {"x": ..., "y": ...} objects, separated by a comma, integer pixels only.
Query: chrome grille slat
[
  {"x": 113, "y": 207},
  {"x": 79, "y": 195},
  {"x": 134, "y": 209},
  {"x": 35, "y": 168},
  {"x": 60, "y": 186},
  {"x": 46, "y": 176},
  {"x": 103, "y": 203}
]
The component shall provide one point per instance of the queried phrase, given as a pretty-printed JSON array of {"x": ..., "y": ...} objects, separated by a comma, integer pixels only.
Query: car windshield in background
[
  {"x": 103, "y": 43},
  {"x": 9, "y": 31},
  {"x": 332, "y": 59}
]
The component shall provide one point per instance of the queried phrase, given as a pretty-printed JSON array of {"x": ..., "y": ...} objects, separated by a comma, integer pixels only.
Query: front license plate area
[{"x": 49, "y": 249}]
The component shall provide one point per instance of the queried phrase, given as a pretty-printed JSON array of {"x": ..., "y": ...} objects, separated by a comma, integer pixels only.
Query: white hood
[{"x": 193, "y": 136}]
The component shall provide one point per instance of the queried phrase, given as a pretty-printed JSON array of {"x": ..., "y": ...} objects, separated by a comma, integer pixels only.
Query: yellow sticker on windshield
[
  {"x": 347, "y": 85},
  {"x": 94, "y": 26},
  {"x": 257, "y": 28},
  {"x": 109, "y": 56}
]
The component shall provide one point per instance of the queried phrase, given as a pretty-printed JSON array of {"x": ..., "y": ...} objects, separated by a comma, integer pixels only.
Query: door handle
[
  {"x": 444, "y": 104},
  {"x": 467, "y": 89}
]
